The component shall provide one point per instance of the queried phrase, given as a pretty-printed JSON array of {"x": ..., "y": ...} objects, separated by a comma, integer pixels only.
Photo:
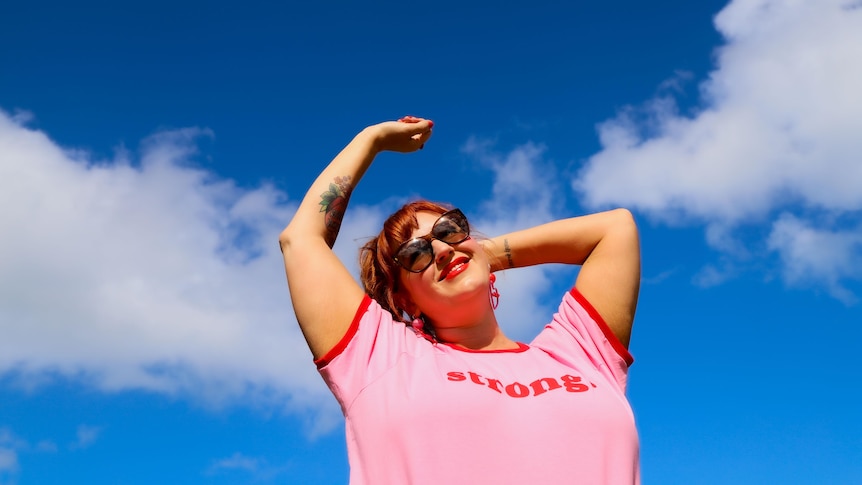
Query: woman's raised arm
[
  {"x": 606, "y": 246},
  {"x": 324, "y": 294}
]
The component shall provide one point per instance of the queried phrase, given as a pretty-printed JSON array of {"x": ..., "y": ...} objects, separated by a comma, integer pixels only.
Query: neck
[{"x": 483, "y": 333}]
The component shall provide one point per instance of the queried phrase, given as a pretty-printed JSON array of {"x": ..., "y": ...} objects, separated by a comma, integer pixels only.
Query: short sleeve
[
  {"x": 578, "y": 320},
  {"x": 372, "y": 345}
]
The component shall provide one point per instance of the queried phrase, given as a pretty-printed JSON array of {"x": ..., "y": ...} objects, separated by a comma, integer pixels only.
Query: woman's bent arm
[
  {"x": 606, "y": 246},
  {"x": 324, "y": 294}
]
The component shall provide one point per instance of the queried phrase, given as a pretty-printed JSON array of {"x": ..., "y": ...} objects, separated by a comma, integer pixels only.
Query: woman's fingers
[
  {"x": 421, "y": 128},
  {"x": 406, "y": 135},
  {"x": 413, "y": 119}
]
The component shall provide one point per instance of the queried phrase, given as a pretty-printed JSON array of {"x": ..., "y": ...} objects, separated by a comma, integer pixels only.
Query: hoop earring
[{"x": 493, "y": 294}]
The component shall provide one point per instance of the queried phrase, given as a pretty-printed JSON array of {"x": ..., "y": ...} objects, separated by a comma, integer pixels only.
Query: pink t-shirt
[{"x": 550, "y": 412}]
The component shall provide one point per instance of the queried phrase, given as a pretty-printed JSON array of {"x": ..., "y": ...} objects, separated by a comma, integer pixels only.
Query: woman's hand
[
  {"x": 405, "y": 135},
  {"x": 606, "y": 246}
]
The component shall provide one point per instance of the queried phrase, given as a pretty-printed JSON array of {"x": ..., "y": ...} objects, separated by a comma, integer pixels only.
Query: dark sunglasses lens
[
  {"x": 451, "y": 228},
  {"x": 415, "y": 255}
]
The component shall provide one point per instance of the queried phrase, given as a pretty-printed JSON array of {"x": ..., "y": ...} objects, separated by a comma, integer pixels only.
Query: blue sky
[{"x": 150, "y": 154}]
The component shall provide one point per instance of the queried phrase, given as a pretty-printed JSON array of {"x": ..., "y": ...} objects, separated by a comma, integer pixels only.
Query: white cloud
[
  {"x": 147, "y": 272},
  {"x": 813, "y": 255},
  {"x": 153, "y": 275},
  {"x": 778, "y": 129}
]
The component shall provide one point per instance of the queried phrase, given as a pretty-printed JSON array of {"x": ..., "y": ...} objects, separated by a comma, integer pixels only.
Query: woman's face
[{"x": 457, "y": 274}]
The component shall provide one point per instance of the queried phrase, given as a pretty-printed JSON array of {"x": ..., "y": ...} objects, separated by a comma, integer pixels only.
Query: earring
[
  {"x": 418, "y": 324},
  {"x": 494, "y": 295}
]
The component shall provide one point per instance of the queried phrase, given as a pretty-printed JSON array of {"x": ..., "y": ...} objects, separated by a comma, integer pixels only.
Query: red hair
[{"x": 378, "y": 270}]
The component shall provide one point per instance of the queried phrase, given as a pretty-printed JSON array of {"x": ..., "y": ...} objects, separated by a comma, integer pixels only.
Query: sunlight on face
[{"x": 458, "y": 274}]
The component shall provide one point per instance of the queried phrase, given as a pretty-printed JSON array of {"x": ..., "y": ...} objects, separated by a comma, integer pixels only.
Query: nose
[{"x": 442, "y": 251}]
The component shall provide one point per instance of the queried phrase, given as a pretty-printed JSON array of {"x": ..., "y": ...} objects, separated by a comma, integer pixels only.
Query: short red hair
[{"x": 378, "y": 270}]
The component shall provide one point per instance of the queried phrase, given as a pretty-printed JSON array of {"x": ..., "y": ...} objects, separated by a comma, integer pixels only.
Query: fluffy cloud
[
  {"x": 777, "y": 132},
  {"x": 147, "y": 272},
  {"x": 814, "y": 255}
]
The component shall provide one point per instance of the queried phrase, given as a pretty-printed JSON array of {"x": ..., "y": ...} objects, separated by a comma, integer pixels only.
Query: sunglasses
[{"x": 417, "y": 254}]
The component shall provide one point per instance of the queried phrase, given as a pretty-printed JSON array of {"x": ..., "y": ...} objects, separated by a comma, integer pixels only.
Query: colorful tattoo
[
  {"x": 333, "y": 203},
  {"x": 508, "y": 253}
]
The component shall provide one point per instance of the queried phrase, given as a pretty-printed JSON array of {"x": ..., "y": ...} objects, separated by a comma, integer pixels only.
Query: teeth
[
  {"x": 456, "y": 266},
  {"x": 453, "y": 268}
]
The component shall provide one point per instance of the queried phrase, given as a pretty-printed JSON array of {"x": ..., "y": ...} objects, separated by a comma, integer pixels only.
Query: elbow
[
  {"x": 293, "y": 241},
  {"x": 624, "y": 219},
  {"x": 624, "y": 215},
  {"x": 285, "y": 239},
  {"x": 623, "y": 226},
  {"x": 283, "y": 242}
]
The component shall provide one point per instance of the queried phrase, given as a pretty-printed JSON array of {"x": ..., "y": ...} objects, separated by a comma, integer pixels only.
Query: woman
[{"x": 431, "y": 388}]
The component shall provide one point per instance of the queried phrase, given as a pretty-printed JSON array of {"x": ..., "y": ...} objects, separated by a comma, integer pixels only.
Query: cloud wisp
[
  {"x": 11, "y": 447},
  {"x": 776, "y": 137},
  {"x": 86, "y": 436}
]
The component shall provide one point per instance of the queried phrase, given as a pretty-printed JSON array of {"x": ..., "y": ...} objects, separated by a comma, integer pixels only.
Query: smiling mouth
[{"x": 454, "y": 268}]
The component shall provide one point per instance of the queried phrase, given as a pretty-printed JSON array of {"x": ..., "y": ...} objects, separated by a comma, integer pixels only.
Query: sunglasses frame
[{"x": 428, "y": 237}]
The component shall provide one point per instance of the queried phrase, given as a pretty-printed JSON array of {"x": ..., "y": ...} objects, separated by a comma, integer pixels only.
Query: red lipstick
[{"x": 454, "y": 268}]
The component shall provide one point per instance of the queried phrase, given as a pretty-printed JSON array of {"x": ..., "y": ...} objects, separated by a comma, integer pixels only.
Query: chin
[{"x": 469, "y": 283}]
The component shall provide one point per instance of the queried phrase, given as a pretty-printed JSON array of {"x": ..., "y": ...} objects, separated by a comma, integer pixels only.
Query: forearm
[
  {"x": 566, "y": 241},
  {"x": 324, "y": 294},
  {"x": 320, "y": 213},
  {"x": 605, "y": 244}
]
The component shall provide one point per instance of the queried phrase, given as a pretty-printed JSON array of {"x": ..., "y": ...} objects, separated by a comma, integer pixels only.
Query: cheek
[
  {"x": 415, "y": 285},
  {"x": 472, "y": 243},
  {"x": 475, "y": 249}
]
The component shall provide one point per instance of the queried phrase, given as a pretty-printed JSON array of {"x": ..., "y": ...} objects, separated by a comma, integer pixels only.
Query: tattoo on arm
[
  {"x": 333, "y": 203},
  {"x": 508, "y": 250}
]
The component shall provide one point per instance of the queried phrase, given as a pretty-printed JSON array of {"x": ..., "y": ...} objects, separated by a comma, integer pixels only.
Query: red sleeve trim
[
  {"x": 348, "y": 336},
  {"x": 615, "y": 342}
]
